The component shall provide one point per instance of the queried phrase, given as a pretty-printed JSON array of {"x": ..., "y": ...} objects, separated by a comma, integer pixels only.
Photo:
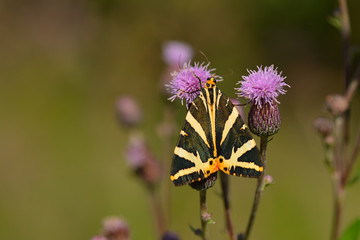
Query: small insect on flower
[
  {"x": 262, "y": 87},
  {"x": 214, "y": 137},
  {"x": 185, "y": 82}
]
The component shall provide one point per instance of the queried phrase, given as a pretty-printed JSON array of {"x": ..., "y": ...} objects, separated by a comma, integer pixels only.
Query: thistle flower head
[
  {"x": 176, "y": 53},
  {"x": 185, "y": 82},
  {"x": 262, "y": 86}
]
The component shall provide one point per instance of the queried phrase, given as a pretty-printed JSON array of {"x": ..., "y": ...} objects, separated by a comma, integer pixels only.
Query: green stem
[
  {"x": 203, "y": 214},
  {"x": 338, "y": 205},
  {"x": 337, "y": 176},
  {"x": 225, "y": 191},
  {"x": 259, "y": 188}
]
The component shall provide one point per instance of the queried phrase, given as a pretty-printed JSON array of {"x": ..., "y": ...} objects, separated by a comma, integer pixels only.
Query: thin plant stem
[
  {"x": 203, "y": 214},
  {"x": 166, "y": 140},
  {"x": 225, "y": 191},
  {"x": 345, "y": 33},
  {"x": 157, "y": 212},
  {"x": 259, "y": 188},
  {"x": 338, "y": 188},
  {"x": 353, "y": 158},
  {"x": 338, "y": 204},
  {"x": 342, "y": 165}
]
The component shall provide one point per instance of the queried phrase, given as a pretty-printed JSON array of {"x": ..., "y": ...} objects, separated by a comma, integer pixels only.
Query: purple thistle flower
[
  {"x": 262, "y": 86},
  {"x": 176, "y": 53},
  {"x": 185, "y": 83}
]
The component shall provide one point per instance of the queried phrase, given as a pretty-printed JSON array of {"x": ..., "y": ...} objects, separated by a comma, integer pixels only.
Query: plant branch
[
  {"x": 259, "y": 188},
  {"x": 345, "y": 33},
  {"x": 225, "y": 191},
  {"x": 353, "y": 158},
  {"x": 338, "y": 205},
  {"x": 203, "y": 214},
  {"x": 157, "y": 211}
]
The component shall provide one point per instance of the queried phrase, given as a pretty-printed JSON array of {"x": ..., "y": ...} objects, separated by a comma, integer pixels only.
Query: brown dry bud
[
  {"x": 323, "y": 126},
  {"x": 116, "y": 229},
  {"x": 336, "y": 104}
]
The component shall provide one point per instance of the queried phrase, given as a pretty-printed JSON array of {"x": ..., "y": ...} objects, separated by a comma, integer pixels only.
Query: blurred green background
[{"x": 64, "y": 63}]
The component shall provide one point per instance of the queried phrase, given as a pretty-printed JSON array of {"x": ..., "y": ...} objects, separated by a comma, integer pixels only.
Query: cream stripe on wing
[
  {"x": 233, "y": 161},
  {"x": 201, "y": 95},
  {"x": 190, "y": 157},
  {"x": 183, "y": 133},
  {"x": 228, "y": 124},
  {"x": 218, "y": 100},
  {"x": 197, "y": 127}
]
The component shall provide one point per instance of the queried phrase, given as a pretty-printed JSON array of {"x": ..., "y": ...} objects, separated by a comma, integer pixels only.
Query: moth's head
[{"x": 210, "y": 82}]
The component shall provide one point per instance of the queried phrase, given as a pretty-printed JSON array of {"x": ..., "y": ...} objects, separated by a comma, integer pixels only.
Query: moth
[{"x": 214, "y": 138}]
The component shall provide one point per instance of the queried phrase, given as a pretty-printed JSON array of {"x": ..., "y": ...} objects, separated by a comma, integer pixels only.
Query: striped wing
[
  {"x": 214, "y": 137},
  {"x": 194, "y": 148},
  {"x": 238, "y": 154}
]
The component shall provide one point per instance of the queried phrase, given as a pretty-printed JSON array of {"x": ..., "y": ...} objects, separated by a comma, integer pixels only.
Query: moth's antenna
[
  {"x": 243, "y": 104},
  {"x": 198, "y": 79},
  {"x": 204, "y": 56}
]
